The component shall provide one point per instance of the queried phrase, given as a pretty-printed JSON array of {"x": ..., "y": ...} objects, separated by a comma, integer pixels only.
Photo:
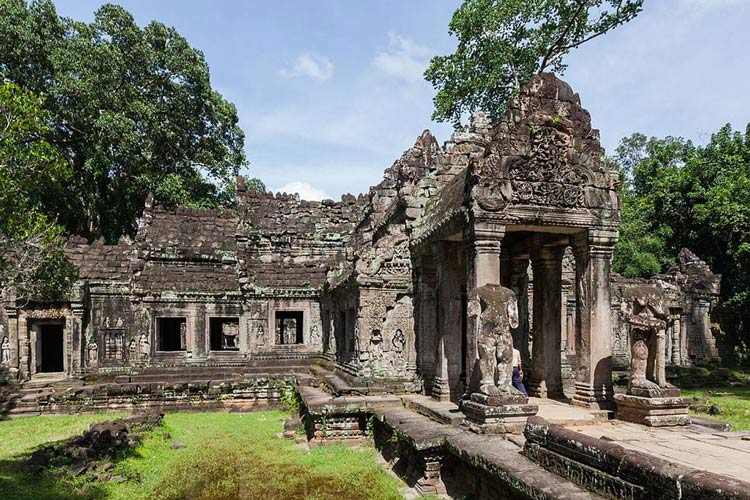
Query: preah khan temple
[{"x": 397, "y": 312}]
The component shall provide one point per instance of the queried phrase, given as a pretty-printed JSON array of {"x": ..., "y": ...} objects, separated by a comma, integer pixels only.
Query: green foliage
[
  {"x": 226, "y": 456},
  {"x": 679, "y": 195},
  {"x": 31, "y": 172},
  {"x": 502, "y": 43},
  {"x": 290, "y": 399},
  {"x": 256, "y": 185},
  {"x": 131, "y": 109}
]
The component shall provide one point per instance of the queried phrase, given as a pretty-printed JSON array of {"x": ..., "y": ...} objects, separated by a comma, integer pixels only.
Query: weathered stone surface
[
  {"x": 653, "y": 411},
  {"x": 615, "y": 472}
]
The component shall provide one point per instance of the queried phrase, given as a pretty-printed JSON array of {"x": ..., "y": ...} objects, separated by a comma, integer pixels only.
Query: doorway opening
[
  {"x": 289, "y": 327},
  {"x": 52, "y": 348}
]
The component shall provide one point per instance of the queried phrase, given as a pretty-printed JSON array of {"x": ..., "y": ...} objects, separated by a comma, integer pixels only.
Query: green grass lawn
[
  {"x": 734, "y": 403},
  {"x": 225, "y": 456}
]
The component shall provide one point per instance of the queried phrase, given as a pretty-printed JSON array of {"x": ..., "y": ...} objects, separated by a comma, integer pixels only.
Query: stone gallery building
[{"x": 375, "y": 286}]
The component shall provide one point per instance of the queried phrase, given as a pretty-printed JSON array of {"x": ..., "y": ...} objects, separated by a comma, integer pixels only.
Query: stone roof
[
  {"x": 97, "y": 261},
  {"x": 289, "y": 242},
  {"x": 200, "y": 277},
  {"x": 188, "y": 234}
]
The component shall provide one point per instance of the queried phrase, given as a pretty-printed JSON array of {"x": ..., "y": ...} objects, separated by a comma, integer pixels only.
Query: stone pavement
[
  {"x": 724, "y": 453},
  {"x": 562, "y": 413}
]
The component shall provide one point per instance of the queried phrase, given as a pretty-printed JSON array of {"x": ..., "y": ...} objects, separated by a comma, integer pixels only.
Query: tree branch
[{"x": 548, "y": 55}]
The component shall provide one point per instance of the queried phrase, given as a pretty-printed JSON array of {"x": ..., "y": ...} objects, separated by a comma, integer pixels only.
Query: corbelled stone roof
[{"x": 99, "y": 262}]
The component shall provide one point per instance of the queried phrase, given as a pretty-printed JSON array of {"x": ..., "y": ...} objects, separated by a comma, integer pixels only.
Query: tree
[
  {"x": 651, "y": 209},
  {"x": 131, "y": 109},
  {"x": 31, "y": 247},
  {"x": 503, "y": 43},
  {"x": 679, "y": 195}
]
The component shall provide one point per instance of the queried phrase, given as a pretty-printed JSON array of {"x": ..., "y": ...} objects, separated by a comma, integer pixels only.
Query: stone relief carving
[
  {"x": 399, "y": 341},
  {"x": 494, "y": 311},
  {"x": 144, "y": 347},
  {"x": 93, "y": 354},
  {"x": 388, "y": 257},
  {"x": 46, "y": 313},
  {"x": 4, "y": 351},
  {"x": 315, "y": 338},
  {"x": 643, "y": 310},
  {"x": 545, "y": 175}
]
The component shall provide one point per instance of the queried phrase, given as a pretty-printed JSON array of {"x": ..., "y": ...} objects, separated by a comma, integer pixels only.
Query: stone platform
[
  {"x": 606, "y": 466},
  {"x": 563, "y": 413},
  {"x": 718, "y": 452},
  {"x": 653, "y": 411}
]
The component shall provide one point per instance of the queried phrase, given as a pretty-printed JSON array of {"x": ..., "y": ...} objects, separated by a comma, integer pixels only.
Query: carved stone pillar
[
  {"x": 593, "y": 255},
  {"x": 518, "y": 280},
  {"x": 425, "y": 315},
  {"x": 12, "y": 314},
  {"x": 546, "y": 374},
  {"x": 683, "y": 339},
  {"x": 447, "y": 382},
  {"x": 76, "y": 342},
  {"x": 677, "y": 339},
  {"x": 483, "y": 246},
  {"x": 703, "y": 323}
]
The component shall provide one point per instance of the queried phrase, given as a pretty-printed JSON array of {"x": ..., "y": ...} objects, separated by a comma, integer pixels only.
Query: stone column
[
  {"x": 449, "y": 261},
  {"x": 546, "y": 369},
  {"x": 703, "y": 324},
  {"x": 483, "y": 246},
  {"x": 683, "y": 339},
  {"x": 593, "y": 255},
  {"x": 518, "y": 266},
  {"x": 677, "y": 339},
  {"x": 570, "y": 328},
  {"x": 76, "y": 343},
  {"x": 425, "y": 315},
  {"x": 11, "y": 313}
]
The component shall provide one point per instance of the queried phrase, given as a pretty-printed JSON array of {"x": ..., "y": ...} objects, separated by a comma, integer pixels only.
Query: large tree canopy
[
  {"x": 502, "y": 43},
  {"x": 31, "y": 171},
  {"x": 681, "y": 195},
  {"x": 131, "y": 110}
]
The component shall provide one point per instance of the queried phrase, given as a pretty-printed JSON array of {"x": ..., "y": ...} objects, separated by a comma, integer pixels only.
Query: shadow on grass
[{"x": 19, "y": 480}]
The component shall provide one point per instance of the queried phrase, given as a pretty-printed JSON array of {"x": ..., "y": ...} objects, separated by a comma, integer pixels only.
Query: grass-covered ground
[
  {"x": 226, "y": 456},
  {"x": 733, "y": 401}
]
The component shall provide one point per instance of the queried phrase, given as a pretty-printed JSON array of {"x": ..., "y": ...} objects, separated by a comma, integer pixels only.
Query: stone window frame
[
  {"x": 189, "y": 338},
  {"x": 243, "y": 343},
  {"x": 300, "y": 330},
  {"x": 303, "y": 307}
]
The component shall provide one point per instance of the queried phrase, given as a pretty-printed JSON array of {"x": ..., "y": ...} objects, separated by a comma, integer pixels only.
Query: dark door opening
[
  {"x": 289, "y": 327},
  {"x": 52, "y": 348},
  {"x": 172, "y": 334}
]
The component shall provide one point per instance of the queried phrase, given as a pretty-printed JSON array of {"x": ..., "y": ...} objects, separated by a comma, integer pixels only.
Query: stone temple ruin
[
  {"x": 400, "y": 290},
  {"x": 378, "y": 284}
]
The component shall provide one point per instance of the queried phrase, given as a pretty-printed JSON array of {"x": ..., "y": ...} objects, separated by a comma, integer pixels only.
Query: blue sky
[{"x": 329, "y": 92}]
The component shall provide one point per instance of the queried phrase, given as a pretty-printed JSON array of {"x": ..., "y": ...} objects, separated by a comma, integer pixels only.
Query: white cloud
[
  {"x": 306, "y": 191},
  {"x": 404, "y": 59},
  {"x": 311, "y": 65}
]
